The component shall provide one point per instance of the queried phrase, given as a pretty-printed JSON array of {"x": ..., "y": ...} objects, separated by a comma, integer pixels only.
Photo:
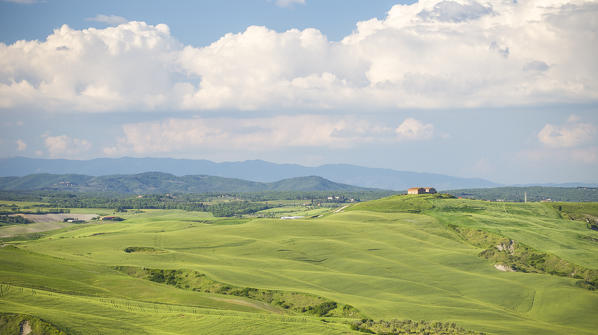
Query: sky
[{"x": 505, "y": 90}]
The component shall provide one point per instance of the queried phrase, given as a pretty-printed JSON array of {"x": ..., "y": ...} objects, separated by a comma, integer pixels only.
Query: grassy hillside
[
  {"x": 157, "y": 182},
  {"x": 420, "y": 263}
]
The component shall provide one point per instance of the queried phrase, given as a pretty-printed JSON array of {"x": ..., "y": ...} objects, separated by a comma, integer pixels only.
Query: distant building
[
  {"x": 415, "y": 190},
  {"x": 421, "y": 190}
]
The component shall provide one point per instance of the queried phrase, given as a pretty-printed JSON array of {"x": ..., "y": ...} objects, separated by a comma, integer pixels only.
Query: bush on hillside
[
  {"x": 396, "y": 327},
  {"x": 13, "y": 219},
  {"x": 14, "y": 323}
]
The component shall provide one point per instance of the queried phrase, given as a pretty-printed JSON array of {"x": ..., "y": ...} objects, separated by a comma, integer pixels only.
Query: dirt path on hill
[{"x": 340, "y": 209}]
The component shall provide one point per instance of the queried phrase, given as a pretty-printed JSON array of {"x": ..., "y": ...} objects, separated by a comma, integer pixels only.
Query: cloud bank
[
  {"x": 571, "y": 134},
  {"x": 412, "y": 130},
  {"x": 260, "y": 134},
  {"x": 573, "y": 141},
  {"x": 431, "y": 54},
  {"x": 66, "y": 146}
]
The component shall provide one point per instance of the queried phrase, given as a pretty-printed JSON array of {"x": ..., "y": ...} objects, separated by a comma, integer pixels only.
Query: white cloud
[
  {"x": 572, "y": 134},
  {"x": 66, "y": 146},
  {"x": 413, "y": 130},
  {"x": 256, "y": 134},
  {"x": 288, "y": 3},
  {"x": 21, "y": 145},
  {"x": 111, "y": 20},
  {"x": 430, "y": 54},
  {"x": 571, "y": 142},
  {"x": 112, "y": 69}
]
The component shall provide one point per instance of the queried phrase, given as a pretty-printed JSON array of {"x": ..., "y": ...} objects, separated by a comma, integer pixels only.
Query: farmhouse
[{"x": 421, "y": 190}]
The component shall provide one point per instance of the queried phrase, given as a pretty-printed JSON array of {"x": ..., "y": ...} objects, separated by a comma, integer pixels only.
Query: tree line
[{"x": 219, "y": 204}]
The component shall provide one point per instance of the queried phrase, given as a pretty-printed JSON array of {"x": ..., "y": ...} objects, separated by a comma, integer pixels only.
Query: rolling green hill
[
  {"x": 157, "y": 182},
  {"x": 403, "y": 264}
]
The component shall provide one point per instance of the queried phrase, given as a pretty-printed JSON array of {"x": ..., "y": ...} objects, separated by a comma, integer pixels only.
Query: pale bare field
[
  {"x": 46, "y": 218},
  {"x": 21, "y": 229}
]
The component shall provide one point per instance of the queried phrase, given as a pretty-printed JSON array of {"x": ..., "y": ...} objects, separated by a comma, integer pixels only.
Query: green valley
[{"x": 405, "y": 264}]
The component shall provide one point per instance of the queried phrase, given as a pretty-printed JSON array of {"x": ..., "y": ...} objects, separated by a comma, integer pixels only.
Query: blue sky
[
  {"x": 191, "y": 22},
  {"x": 494, "y": 89}
]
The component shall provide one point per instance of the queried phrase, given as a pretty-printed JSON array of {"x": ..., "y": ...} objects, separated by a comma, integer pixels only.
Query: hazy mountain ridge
[
  {"x": 159, "y": 182},
  {"x": 254, "y": 170}
]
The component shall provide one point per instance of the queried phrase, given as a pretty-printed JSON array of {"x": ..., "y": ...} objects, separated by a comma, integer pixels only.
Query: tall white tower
[{"x": 524, "y": 196}]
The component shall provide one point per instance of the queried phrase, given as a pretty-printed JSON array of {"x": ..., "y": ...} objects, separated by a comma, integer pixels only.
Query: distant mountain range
[
  {"x": 159, "y": 182},
  {"x": 255, "y": 170}
]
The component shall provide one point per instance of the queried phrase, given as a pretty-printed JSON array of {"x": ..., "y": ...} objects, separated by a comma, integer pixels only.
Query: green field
[{"x": 403, "y": 257}]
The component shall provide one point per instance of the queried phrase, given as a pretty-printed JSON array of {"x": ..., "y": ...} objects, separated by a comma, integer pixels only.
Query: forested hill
[
  {"x": 534, "y": 193},
  {"x": 255, "y": 170},
  {"x": 158, "y": 182}
]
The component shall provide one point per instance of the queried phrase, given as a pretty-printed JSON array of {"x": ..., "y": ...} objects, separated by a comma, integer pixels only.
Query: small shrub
[{"x": 323, "y": 308}]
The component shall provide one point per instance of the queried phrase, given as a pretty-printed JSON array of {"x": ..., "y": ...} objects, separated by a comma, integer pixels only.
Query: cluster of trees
[
  {"x": 183, "y": 202},
  {"x": 154, "y": 201},
  {"x": 219, "y": 204},
  {"x": 90, "y": 199},
  {"x": 35, "y": 210},
  {"x": 396, "y": 327},
  {"x": 234, "y": 208},
  {"x": 13, "y": 219},
  {"x": 295, "y": 301},
  {"x": 534, "y": 193}
]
